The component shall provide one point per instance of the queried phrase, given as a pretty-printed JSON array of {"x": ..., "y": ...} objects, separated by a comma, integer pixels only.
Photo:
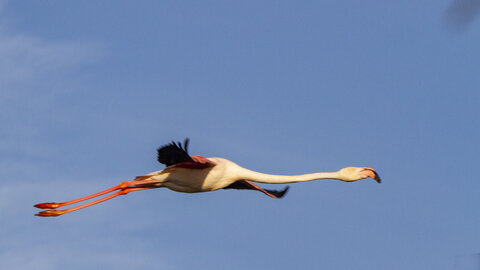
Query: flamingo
[{"x": 190, "y": 174}]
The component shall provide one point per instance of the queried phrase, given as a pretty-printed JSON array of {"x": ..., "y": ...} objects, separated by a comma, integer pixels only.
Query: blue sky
[{"x": 89, "y": 90}]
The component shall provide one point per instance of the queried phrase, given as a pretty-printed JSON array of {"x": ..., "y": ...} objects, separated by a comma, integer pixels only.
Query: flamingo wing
[
  {"x": 245, "y": 184},
  {"x": 174, "y": 153}
]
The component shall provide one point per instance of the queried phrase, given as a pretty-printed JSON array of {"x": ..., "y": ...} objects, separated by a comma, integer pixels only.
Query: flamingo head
[{"x": 351, "y": 174}]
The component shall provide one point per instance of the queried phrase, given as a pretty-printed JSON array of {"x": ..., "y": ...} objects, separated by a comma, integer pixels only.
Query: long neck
[{"x": 284, "y": 179}]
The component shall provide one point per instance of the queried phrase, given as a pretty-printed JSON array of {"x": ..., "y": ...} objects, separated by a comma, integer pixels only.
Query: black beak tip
[{"x": 377, "y": 178}]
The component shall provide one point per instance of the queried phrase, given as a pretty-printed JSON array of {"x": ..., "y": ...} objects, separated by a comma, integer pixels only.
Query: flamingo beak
[{"x": 369, "y": 172}]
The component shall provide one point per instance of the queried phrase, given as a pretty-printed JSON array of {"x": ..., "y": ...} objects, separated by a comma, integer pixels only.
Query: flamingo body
[{"x": 187, "y": 177}]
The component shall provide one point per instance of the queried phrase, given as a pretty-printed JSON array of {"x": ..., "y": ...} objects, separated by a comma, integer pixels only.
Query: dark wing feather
[
  {"x": 278, "y": 193},
  {"x": 244, "y": 184},
  {"x": 174, "y": 153}
]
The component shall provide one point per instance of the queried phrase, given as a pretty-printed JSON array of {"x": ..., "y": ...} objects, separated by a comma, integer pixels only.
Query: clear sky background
[{"x": 90, "y": 89}]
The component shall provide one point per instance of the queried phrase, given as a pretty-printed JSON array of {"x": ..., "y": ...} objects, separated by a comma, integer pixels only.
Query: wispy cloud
[
  {"x": 31, "y": 65},
  {"x": 32, "y": 71},
  {"x": 26, "y": 57}
]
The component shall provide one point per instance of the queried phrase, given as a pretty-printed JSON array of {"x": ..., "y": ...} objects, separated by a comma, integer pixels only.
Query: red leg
[
  {"x": 122, "y": 185},
  {"x": 124, "y": 191}
]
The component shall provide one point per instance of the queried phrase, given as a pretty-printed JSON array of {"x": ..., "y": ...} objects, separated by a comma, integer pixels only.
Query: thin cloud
[
  {"x": 33, "y": 73},
  {"x": 27, "y": 57},
  {"x": 32, "y": 70},
  {"x": 31, "y": 59}
]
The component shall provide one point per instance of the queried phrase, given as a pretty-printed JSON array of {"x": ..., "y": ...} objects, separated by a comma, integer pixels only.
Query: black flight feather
[
  {"x": 242, "y": 185},
  {"x": 278, "y": 193},
  {"x": 174, "y": 153}
]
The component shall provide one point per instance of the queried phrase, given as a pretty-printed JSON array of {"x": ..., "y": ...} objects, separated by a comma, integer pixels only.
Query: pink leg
[
  {"x": 122, "y": 185},
  {"x": 124, "y": 191}
]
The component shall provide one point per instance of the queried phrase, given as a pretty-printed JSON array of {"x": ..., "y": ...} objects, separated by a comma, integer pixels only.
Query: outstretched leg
[
  {"x": 54, "y": 213},
  {"x": 124, "y": 188},
  {"x": 122, "y": 185}
]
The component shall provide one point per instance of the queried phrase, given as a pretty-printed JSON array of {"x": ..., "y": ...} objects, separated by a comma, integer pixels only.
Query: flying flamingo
[{"x": 185, "y": 173}]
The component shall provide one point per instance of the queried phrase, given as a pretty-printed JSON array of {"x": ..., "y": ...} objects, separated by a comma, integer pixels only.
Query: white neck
[{"x": 284, "y": 179}]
